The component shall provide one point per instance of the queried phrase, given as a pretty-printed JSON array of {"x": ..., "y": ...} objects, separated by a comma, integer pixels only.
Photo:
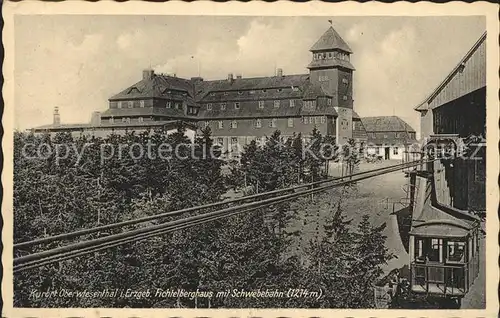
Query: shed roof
[
  {"x": 386, "y": 124},
  {"x": 422, "y": 106}
]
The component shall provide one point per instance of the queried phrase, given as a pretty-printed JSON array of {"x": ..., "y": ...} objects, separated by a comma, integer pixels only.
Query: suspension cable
[
  {"x": 136, "y": 234},
  {"x": 82, "y": 232}
]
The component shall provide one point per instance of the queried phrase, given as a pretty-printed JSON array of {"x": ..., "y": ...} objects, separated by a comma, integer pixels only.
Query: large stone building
[{"x": 239, "y": 109}]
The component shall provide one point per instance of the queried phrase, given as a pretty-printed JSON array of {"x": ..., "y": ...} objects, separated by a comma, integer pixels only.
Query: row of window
[
  {"x": 277, "y": 103},
  {"x": 129, "y": 104},
  {"x": 397, "y": 135},
  {"x": 125, "y": 120},
  {"x": 251, "y": 92},
  {"x": 272, "y": 122},
  {"x": 331, "y": 55}
]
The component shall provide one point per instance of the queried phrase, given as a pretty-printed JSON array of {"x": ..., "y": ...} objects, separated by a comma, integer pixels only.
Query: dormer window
[
  {"x": 240, "y": 93},
  {"x": 328, "y": 101},
  {"x": 209, "y": 106}
]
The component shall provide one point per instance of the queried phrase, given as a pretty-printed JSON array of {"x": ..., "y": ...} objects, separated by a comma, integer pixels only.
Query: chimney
[
  {"x": 148, "y": 74},
  {"x": 95, "y": 120},
  {"x": 238, "y": 76},
  {"x": 279, "y": 72},
  {"x": 230, "y": 77},
  {"x": 57, "y": 117}
]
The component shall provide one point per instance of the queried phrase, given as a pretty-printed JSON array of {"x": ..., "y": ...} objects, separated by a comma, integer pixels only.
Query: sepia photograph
[{"x": 249, "y": 161}]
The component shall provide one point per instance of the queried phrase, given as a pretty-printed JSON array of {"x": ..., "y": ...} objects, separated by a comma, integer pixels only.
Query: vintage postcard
[{"x": 250, "y": 160}]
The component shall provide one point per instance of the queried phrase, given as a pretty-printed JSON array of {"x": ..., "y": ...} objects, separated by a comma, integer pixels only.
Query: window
[
  {"x": 140, "y": 119},
  {"x": 276, "y": 103},
  {"x": 223, "y": 106},
  {"x": 292, "y": 103},
  {"x": 119, "y": 104},
  {"x": 234, "y": 140},
  {"x": 353, "y": 125},
  {"x": 234, "y": 124},
  {"x": 398, "y": 135},
  {"x": 169, "y": 104},
  {"x": 323, "y": 78},
  {"x": 419, "y": 250},
  {"x": 221, "y": 124},
  {"x": 207, "y": 123},
  {"x": 124, "y": 120},
  {"x": 295, "y": 89},
  {"x": 226, "y": 93},
  {"x": 344, "y": 97},
  {"x": 328, "y": 101},
  {"x": 240, "y": 93},
  {"x": 316, "y": 120},
  {"x": 141, "y": 103},
  {"x": 111, "y": 120},
  {"x": 305, "y": 120},
  {"x": 290, "y": 122},
  {"x": 130, "y": 104},
  {"x": 323, "y": 119},
  {"x": 455, "y": 251},
  {"x": 236, "y": 105},
  {"x": 373, "y": 135},
  {"x": 178, "y": 106},
  {"x": 258, "y": 123},
  {"x": 395, "y": 151},
  {"x": 220, "y": 141},
  {"x": 329, "y": 55},
  {"x": 261, "y": 104},
  {"x": 435, "y": 253},
  {"x": 272, "y": 123},
  {"x": 310, "y": 104},
  {"x": 209, "y": 106}
]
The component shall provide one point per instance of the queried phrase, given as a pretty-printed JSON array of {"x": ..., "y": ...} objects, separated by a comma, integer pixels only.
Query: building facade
[
  {"x": 389, "y": 137},
  {"x": 239, "y": 109}
]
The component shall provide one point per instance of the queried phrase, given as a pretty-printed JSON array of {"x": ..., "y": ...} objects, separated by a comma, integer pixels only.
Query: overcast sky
[{"x": 78, "y": 62}]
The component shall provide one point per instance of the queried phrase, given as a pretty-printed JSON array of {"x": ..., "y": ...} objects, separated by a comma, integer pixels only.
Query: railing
[{"x": 440, "y": 279}]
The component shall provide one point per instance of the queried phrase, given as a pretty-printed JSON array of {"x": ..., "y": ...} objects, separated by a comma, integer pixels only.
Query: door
[{"x": 387, "y": 153}]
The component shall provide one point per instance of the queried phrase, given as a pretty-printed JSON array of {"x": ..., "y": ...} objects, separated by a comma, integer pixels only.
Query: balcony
[{"x": 439, "y": 279}]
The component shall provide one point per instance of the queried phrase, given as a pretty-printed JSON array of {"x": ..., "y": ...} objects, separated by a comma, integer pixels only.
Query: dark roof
[
  {"x": 331, "y": 40},
  {"x": 424, "y": 104},
  {"x": 159, "y": 86},
  {"x": 355, "y": 115},
  {"x": 386, "y": 123},
  {"x": 146, "y": 111},
  {"x": 202, "y": 88}
]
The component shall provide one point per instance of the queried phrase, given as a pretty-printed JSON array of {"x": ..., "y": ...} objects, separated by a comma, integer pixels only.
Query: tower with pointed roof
[{"x": 332, "y": 70}]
